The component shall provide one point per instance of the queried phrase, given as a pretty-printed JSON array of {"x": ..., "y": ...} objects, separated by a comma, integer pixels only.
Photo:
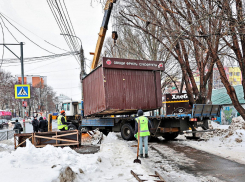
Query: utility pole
[
  {"x": 21, "y": 58},
  {"x": 82, "y": 60},
  {"x": 82, "y": 69},
  {"x": 22, "y": 74}
]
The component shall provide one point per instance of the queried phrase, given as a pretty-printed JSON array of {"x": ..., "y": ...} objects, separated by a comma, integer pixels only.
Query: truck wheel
[
  {"x": 72, "y": 127},
  {"x": 127, "y": 132},
  {"x": 170, "y": 136}
]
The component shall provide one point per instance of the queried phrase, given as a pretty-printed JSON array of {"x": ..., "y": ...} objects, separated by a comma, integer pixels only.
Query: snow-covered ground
[
  {"x": 115, "y": 159},
  {"x": 113, "y": 163},
  {"x": 227, "y": 141}
]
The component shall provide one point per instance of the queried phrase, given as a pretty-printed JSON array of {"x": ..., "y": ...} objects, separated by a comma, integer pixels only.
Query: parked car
[{"x": 4, "y": 123}]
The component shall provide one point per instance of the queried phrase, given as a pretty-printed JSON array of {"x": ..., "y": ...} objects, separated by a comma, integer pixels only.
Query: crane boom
[{"x": 103, "y": 29}]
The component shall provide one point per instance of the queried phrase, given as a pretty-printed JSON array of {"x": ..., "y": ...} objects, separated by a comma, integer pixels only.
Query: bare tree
[
  {"x": 178, "y": 36},
  {"x": 6, "y": 85},
  {"x": 42, "y": 95}
]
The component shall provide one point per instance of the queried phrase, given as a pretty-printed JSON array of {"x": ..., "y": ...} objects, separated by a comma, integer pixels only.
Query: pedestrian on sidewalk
[
  {"x": 46, "y": 128},
  {"x": 35, "y": 124},
  {"x": 144, "y": 126},
  {"x": 42, "y": 124},
  {"x": 17, "y": 127}
]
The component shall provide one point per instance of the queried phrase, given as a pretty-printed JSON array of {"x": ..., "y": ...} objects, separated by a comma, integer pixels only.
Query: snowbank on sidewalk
[
  {"x": 227, "y": 140},
  {"x": 113, "y": 162}
]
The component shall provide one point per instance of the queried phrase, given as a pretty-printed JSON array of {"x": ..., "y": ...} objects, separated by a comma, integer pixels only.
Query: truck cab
[{"x": 71, "y": 108}]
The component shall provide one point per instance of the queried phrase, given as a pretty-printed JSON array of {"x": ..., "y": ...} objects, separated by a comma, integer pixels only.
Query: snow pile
[
  {"x": 226, "y": 141},
  {"x": 113, "y": 162},
  {"x": 234, "y": 134}
]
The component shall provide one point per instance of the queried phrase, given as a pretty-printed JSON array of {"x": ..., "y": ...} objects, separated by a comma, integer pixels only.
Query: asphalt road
[{"x": 207, "y": 164}]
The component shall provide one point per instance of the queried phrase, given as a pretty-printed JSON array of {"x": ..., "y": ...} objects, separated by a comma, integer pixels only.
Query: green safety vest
[
  {"x": 60, "y": 125},
  {"x": 144, "y": 130}
]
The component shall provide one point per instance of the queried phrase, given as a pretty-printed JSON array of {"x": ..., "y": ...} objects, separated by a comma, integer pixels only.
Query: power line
[
  {"x": 32, "y": 63},
  {"x": 9, "y": 30},
  {"x": 33, "y": 33},
  {"x": 33, "y": 59},
  {"x": 43, "y": 65},
  {"x": 25, "y": 35},
  {"x": 66, "y": 23},
  {"x": 55, "y": 45},
  {"x": 70, "y": 20},
  {"x": 56, "y": 19},
  {"x": 63, "y": 24},
  {"x": 58, "y": 22}
]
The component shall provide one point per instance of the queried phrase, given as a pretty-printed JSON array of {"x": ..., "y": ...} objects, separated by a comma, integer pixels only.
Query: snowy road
[
  {"x": 180, "y": 160},
  {"x": 197, "y": 162}
]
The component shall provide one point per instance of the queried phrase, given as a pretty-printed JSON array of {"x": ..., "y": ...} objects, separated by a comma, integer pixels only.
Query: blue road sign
[{"x": 22, "y": 91}]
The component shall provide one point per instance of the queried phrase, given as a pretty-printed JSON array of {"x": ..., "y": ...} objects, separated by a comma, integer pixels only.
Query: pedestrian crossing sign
[{"x": 22, "y": 91}]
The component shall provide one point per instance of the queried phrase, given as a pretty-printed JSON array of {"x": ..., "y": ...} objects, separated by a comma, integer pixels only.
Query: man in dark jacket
[
  {"x": 42, "y": 125},
  {"x": 145, "y": 126},
  {"x": 17, "y": 127},
  {"x": 46, "y": 129},
  {"x": 35, "y": 124}
]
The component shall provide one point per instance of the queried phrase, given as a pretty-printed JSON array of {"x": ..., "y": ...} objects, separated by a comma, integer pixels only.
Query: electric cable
[
  {"x": 9, "y": 30},
  {"x": 52, "y": 8},
  {"x": 71, "y": 23},
  {"x": 17, "y": 64},
  {"x": 25, "y": 35},
  {"x": 63, "y": 18},
  {"x": 66, "y": 25},
  {"x": 32, "y": 32},
  {"x": 33, "y": 59}
]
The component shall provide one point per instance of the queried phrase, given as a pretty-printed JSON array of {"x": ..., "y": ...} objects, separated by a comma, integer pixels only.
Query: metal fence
[{"x": 7, "y": 134}]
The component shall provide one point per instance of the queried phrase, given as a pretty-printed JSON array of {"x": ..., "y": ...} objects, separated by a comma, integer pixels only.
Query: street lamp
[
  {"x": 82, "y": 60},
  {"x": 73, "y": 36}
]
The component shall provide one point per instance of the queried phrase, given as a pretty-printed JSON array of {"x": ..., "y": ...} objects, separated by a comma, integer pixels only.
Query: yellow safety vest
[
  {"x": 144, "y": 130},
  {"x": 60, "y": 125}
]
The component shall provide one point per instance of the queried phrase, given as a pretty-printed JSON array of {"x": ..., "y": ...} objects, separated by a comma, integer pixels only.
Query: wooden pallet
[{"x": 57, "y": 138}]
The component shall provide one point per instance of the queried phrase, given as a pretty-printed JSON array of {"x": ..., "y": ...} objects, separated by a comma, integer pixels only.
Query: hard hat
[{"x": 62, "y": 111}]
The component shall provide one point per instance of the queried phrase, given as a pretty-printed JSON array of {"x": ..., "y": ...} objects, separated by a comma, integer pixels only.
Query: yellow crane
[{"x": 103, "y": 29}]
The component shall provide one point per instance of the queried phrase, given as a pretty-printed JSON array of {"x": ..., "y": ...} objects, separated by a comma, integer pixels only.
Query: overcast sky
[{"x": 35, "y": 19}]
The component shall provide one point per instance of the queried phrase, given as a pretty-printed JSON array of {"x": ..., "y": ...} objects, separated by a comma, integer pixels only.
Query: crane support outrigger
[{"x": 103, "y": 29}]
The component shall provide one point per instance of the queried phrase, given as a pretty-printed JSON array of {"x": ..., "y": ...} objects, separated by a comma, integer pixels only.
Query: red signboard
[
  {"x": 132, "y": 64},
  {"x": 24, "y": 103},
  {"x": 5, "y": 113}
]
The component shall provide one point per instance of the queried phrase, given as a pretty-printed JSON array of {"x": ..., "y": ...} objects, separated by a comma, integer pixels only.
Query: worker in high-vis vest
[
  {"x": 144, "y": 127},
  {"x": 61, "y": 121}
]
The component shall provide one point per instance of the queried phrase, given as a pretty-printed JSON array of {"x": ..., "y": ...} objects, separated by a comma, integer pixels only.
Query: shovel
[{"x": 137, "y": 160}]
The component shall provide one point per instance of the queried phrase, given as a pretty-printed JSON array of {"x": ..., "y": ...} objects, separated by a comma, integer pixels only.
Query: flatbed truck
[{"x": 167, "y": 126}]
